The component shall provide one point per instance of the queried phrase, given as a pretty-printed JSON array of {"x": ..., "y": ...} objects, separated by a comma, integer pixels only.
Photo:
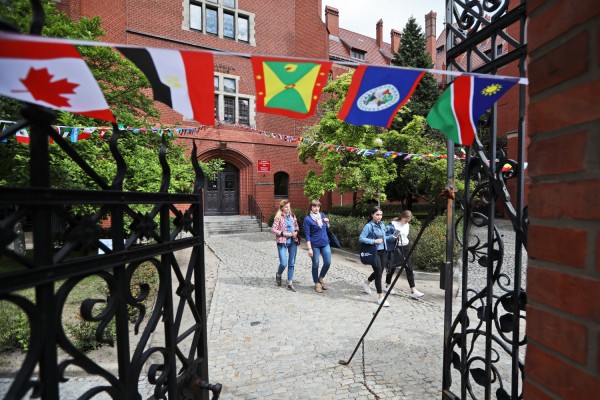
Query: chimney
[
  {"x": 395, "y": 37},
  {"x": 332, "y": 21},
  {"x": 379, "y": 33},
  {"x": 430, "y": 36}
]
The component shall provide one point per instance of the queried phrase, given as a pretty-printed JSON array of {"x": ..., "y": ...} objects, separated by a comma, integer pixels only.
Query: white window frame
[
  {"x": 221, "y": 93},
  {"x": 221, "y": 11}
]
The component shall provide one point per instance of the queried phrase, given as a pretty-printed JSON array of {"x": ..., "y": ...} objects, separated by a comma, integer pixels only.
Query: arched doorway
[{"x": 222, "y": 195}]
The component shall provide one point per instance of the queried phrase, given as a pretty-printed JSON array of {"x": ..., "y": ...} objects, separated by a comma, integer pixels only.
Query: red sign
[{"x": 264, "y": 165}]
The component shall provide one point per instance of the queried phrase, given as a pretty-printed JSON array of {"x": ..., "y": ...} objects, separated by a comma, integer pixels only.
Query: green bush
[
  {"x": 430, "y": 251},
  {"x": 83, "y": 334},
  {"x": 14, "y": 330}
]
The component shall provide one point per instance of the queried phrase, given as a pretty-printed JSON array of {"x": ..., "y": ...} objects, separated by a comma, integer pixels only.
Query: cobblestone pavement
[{"x": 266, "y": 342}]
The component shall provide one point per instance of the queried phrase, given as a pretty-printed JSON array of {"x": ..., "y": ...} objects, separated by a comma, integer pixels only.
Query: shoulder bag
[
  {"x": 368, "y": 252},
  {"x": 333, "y": 240}
]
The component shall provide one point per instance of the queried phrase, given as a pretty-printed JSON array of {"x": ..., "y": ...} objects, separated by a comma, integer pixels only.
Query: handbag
[
  {"x": 368, "y": 253},
  {"x": 333, "y": 240}
]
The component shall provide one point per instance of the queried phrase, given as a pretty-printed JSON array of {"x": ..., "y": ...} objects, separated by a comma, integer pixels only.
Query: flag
[
  {"x": 22, "y": 136},
  {"x": 377, "y": 93},
  {"x": 458, "y": 109},
  {"x": 51, "y": 75},
  {"x": 183, "y": 80},
  {"x": 288, "y": 87}
]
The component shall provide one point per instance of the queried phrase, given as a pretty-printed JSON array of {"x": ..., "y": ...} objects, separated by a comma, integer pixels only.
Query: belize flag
[
  {"x": 458, "y": 109},
  {"x": 377, "y": 93}
]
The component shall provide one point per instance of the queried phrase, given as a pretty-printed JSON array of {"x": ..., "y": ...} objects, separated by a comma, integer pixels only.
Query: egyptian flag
[
  {"x": 183, "y": 80},
  {"x": 458, "y": 109},
  {"x": 50, "y": 74},
  {"x": 377, "y": 93},
  {"x": 287, "y": 86}
]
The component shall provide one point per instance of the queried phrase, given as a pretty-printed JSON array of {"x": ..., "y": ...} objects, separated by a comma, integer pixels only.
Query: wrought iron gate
[
  {"x": 163, "y": 347},
  {"x": 484, "y": 339}
]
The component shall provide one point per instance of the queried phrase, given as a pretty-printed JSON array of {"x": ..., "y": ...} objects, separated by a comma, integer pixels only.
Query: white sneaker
[
  {"x": 416, "y": 294},
  {"x": 366, "y": 287},
  {"x": 392, "y": 291},
  {"x": 386, "y": 304}
]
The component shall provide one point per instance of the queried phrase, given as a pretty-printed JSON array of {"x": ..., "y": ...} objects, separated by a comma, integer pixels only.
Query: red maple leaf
[{"x": 38, "y": 84}]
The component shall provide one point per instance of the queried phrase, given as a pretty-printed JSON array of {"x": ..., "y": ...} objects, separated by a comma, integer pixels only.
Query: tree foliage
[
  {"x": 412, "y": 52},
  {"x": 346, "y": 171},
  {"x": 123, "y": 86}
]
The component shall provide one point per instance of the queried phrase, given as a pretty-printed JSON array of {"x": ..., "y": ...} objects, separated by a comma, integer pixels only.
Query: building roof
[{"x": 340, "y": 48}]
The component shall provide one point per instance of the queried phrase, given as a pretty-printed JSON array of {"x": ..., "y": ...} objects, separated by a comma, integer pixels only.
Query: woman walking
[
  {"x": 315, "y": 230},
  {"x": 401, "y": 230},
  {"x": 285, "y": 229},
  {"x": 374, "y": 232}
]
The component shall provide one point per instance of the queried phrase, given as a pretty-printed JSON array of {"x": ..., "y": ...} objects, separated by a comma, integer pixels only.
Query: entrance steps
[{"x": 232, "y": 225}]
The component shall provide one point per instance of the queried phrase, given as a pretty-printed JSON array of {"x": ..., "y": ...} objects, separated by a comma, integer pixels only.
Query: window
[
  {"x": 229, "y": 85},
  {"x": 280, "y": 182},
  {"x": 439, "y": 49},
  {"x": 358, "y": 54},
  {"x": 498, "y": 50},
  {"x": 220, "y": 18},
  {"x": 243, "y": 24},
  {"x": 228, "y": 26},
  {"x": 230, "y": 105},
  {"x": 196, "y": 17},
  {"x": 244, "y": 111}
]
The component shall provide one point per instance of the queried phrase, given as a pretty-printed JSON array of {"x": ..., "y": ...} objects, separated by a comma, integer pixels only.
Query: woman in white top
[{"x": 401, "y": 230}]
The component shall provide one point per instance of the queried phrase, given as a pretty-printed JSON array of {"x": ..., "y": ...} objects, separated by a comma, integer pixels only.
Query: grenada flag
[
  {"x": 287, "y": 86},
  {"x": 50, "y": 74},
  {"x": 458, "y": 109}
]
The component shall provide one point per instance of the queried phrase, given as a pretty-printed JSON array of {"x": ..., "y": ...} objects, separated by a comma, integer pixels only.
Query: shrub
[
  {"x": 14, "y": 330},
  {"x": 83, "y": 334},
  {"x": 430, "y": 252}
]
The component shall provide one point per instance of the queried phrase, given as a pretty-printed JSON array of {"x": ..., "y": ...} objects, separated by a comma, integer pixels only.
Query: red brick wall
[
  {"x": 279, "y": 28},
  {"x": 563, "y": 314}
]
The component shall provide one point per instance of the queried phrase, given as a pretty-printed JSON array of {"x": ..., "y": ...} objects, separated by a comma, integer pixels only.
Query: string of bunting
[
  {"x": 74, "y": 134},
  {"x": 46, "y": 71}
]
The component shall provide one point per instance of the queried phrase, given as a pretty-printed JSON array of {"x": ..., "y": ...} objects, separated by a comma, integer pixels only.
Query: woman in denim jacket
[
  {"x": 375, "y": 232},
  {"x": 315, "y": 231},
  {"x": 285, "y": 229}
]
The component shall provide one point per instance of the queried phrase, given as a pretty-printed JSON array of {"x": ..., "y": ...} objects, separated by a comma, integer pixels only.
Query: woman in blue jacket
[
  {"x": 315, "y": 230},
  {"x": 375, "y": 232}
]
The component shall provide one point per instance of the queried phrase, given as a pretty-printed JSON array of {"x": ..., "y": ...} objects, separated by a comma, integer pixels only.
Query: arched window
[{"x": 281, "y": 180}]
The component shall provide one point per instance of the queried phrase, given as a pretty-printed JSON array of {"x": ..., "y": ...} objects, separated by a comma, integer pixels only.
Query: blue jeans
[
  {"x": 326, "y": 253},
  {"x": 287, "y": 258}
]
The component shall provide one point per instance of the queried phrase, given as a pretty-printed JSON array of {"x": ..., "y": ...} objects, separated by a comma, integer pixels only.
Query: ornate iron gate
[
  {"x": 165, "y": 347},
  {"x": 484, "y": 339}
]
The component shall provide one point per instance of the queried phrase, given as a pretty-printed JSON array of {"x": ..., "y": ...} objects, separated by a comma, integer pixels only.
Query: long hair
[
  {"x": 403, "y": 214},
  {"x": 282, "y": 204},
  {"x": 373, "y": 211},
  {"x": 310, "y": 204}
]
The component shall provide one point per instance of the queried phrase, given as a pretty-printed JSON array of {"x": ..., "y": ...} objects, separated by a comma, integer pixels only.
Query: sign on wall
[{"x": 264, "y": 165}]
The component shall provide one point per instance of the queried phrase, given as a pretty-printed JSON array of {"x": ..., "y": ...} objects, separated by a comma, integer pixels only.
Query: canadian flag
[{"x": 50, "y": 74}]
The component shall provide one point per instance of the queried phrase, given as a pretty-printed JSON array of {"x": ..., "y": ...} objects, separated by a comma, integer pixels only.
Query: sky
[{"x": 361, "y": 16}]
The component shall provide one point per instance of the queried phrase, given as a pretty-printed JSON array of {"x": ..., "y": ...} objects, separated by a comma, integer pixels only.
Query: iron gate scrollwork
[
  {"x": 164, "y": 348},
  {"x": 484, "y": 338}
]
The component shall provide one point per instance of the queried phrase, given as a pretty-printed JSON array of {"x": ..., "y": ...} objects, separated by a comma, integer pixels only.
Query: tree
[
  {"x": 121, "y": 82},
  {"x": 123, "y": 85},
  {"x": 346, "y": 171},
  {"x": 412, "y": 52}
]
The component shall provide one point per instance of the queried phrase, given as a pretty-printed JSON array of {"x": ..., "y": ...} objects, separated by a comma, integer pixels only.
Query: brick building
[{"x": 258, "y": 166}]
